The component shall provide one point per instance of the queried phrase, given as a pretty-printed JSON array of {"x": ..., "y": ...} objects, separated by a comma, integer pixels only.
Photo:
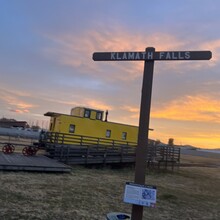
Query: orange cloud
[
  {"x": 14, "y": 101},
  {"x": 97, "y": 105},
  {"x": 26, "y": 111},
  {"x": 130, "y": 109},
  {"x": 190, "y": 108},
  {"x": 131, "y": 112},
  {"x": 23, "y": 105},
  {"x": 201, "y": 139},
  {"x": 19, "y": 111}
]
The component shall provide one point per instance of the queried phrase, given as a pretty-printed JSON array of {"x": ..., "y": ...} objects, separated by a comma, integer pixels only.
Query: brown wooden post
[{"x": 144, "y": 119}]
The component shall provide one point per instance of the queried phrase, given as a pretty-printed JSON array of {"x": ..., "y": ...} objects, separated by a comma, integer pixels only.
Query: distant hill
[{"x": 189, "y": 147}]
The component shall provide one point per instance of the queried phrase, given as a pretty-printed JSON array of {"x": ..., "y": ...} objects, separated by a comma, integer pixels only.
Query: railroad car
[{"x": 87, "y": 122}]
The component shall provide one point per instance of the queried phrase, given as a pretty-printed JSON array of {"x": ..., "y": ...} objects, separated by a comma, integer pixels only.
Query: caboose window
[
  {"x": 108, "y": 133},
  {"x": 87, "y": 113},
  {"x": 99, "y": 115},
  {"x": 72, "y": 128},
  {"x": 124, "y": 136}
]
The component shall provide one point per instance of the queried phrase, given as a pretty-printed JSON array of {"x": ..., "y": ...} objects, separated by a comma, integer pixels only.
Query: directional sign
[
  {"x": 149, "y": 56},
  {"x": 159, "y": 55}
]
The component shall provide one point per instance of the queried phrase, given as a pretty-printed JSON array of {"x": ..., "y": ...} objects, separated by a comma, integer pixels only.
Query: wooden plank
[{"x": 17, "y": 161}]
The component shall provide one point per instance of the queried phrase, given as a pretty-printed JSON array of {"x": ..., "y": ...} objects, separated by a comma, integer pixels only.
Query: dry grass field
[{"x": 91, "y": 193}]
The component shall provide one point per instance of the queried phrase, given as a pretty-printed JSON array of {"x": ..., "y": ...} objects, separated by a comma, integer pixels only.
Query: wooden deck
[
  {"x": 160, "y": 157},
  {"x": 92, "y": 154},
  {"x": 40, "y": 163}
]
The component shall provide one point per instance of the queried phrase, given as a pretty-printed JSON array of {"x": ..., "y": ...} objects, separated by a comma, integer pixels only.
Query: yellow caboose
[{"x": 89, "y": 122}]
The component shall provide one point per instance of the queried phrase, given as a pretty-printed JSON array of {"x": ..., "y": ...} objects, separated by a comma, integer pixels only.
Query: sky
[{"x": 46, "y": 63}]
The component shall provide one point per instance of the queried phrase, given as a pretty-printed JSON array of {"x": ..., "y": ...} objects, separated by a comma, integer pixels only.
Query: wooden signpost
[{"x": 148, "y": 56}]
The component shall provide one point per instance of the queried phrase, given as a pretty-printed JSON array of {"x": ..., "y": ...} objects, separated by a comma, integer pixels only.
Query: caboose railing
[
  {"x": 73, "y": 139},
  {"x": 77, "y": 149}
]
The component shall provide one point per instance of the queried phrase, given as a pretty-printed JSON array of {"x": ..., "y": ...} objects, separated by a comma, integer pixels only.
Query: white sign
[{"x": 143, "y": 195}]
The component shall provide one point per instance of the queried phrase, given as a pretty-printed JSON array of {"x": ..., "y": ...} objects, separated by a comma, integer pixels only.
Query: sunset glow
[{"x": 46, "y": 63}]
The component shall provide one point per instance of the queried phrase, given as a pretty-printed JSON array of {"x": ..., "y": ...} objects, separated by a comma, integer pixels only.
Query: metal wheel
[
  {"x": 29, "y": 151},
  {"x": 5, "y": 149},
  {"x": 8, "y": 149},
  {"x": 25, "y": 151},
  {"x": 13, "y": 148}
]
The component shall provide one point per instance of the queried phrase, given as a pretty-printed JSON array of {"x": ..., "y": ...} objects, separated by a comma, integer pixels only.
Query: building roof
[{"x": 13, "y": 123}]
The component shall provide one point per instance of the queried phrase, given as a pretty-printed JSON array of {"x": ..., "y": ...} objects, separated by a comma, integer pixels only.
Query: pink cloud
[
  {"x": 19, "y": 111},
  {"x": 76, "y": 50},
  {"x": 13, "y": 99},
  {"x": 214, "y": 46}
]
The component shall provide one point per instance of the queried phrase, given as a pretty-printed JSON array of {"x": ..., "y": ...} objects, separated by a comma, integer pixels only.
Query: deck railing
[{"x": 76, "y": 149}]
